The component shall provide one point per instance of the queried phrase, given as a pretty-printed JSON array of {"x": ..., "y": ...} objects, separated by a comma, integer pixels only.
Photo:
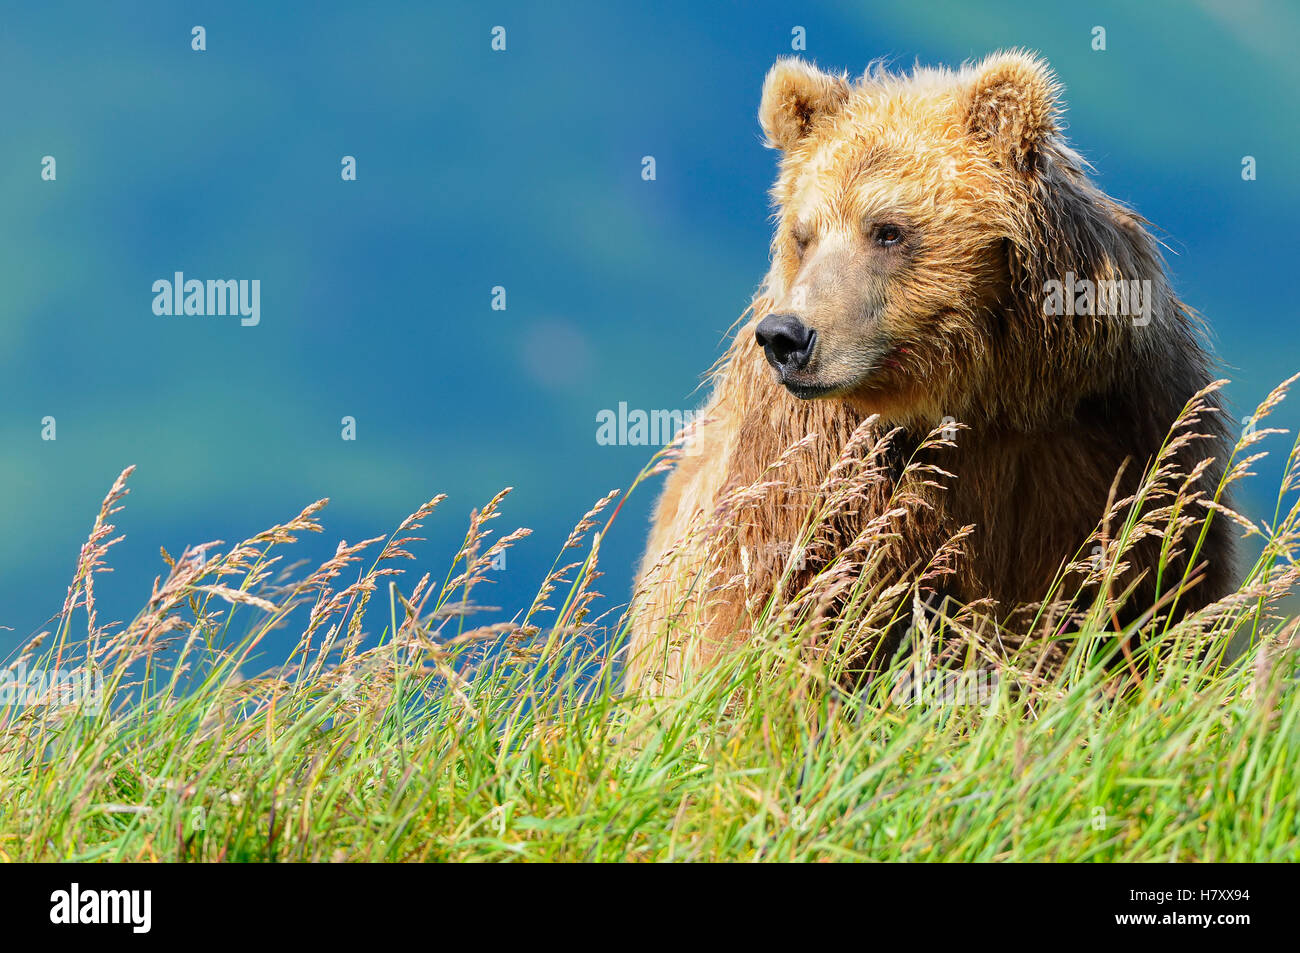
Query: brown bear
[{"x": 941, "y": 261}]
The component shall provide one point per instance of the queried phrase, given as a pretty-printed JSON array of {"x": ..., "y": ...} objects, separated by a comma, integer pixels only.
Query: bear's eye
[
  {"x": 802, "y": 239},
  {"x": 888, "y": 235}
]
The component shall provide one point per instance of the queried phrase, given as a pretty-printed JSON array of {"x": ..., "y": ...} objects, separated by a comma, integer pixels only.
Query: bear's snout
[{"x": 787, "y": 342}]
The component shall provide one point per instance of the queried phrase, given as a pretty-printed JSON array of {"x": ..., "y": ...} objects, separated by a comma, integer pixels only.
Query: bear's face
[{"x": 895, "y": 201}]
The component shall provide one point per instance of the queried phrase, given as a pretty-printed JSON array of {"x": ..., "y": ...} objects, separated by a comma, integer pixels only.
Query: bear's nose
[{"x": 786, "y": 341}]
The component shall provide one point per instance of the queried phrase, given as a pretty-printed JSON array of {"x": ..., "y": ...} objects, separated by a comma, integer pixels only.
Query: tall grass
[{"x": 397, "y": 730}]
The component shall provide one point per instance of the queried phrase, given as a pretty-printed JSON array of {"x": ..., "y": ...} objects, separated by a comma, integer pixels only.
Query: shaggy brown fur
[{"x": 921, "y": 219}]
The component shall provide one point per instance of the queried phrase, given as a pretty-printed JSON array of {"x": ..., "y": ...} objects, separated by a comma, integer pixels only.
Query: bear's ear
[
  {"x": 1011, "y": 103},
  {"x": 795, "y": 95}
]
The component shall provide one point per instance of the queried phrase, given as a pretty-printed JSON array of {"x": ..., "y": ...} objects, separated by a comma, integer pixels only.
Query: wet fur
[{"x": 1053, "y": 407}]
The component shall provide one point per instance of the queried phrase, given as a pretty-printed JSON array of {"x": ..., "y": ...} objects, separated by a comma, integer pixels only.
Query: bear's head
[{"x": 913, "y": 211}]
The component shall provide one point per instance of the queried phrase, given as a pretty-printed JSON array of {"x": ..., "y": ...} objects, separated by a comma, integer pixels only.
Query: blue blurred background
[{"x": 478, "y": 169}]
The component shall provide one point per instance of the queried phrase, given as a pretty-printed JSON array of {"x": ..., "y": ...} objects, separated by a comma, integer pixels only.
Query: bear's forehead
[
  {"x": 904, "y": 138},
  {"x": 873, "y": 167}
]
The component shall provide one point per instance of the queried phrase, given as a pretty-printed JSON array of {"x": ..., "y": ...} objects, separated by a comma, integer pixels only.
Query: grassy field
[{"x": 398, "y": 731}]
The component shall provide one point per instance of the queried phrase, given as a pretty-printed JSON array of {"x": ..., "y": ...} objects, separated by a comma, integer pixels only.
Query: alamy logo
[
  {"x": 1111, "y": 298},
  {"x": 640, "y": 428},
  {"x": 213, "y": 297},
  {"x": 930, "y": 688},
  {"x": 73, "y": 906},
  {"x": 22, "y": 687}
]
